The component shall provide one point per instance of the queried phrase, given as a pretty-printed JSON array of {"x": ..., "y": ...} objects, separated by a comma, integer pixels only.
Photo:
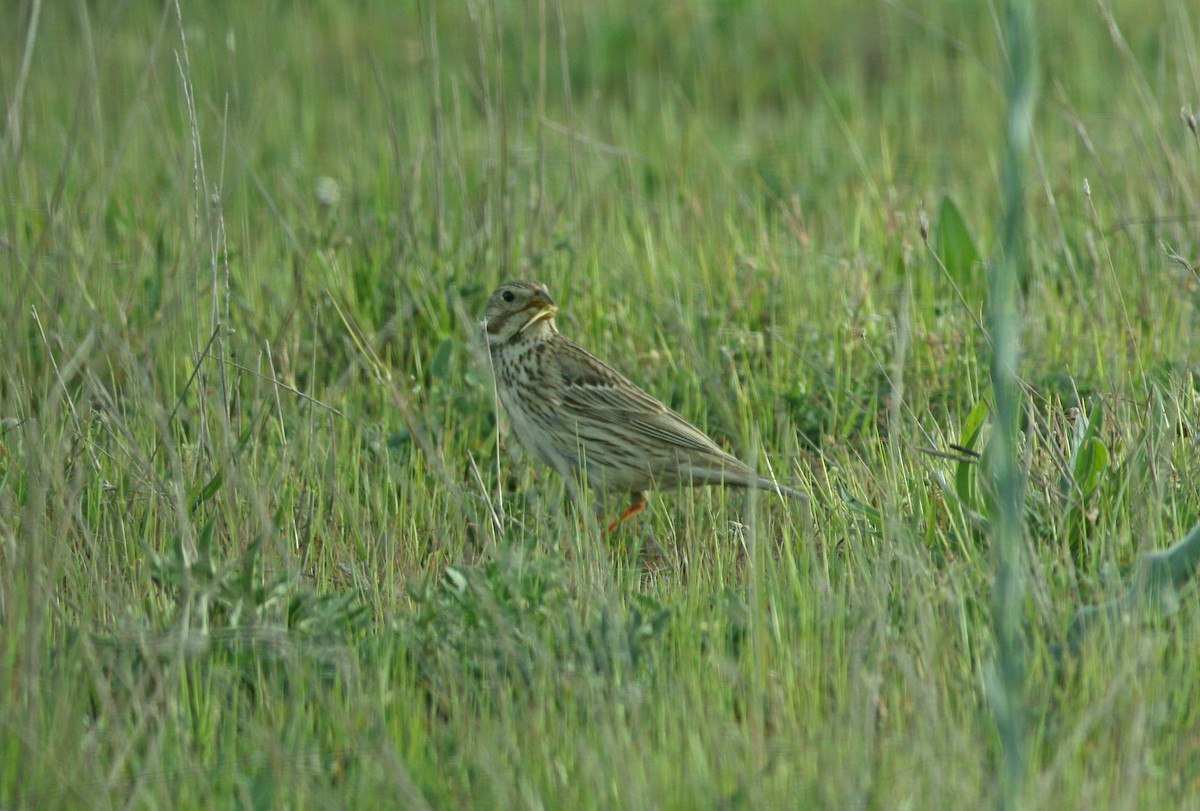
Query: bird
[{"x": 573, "y": 412}]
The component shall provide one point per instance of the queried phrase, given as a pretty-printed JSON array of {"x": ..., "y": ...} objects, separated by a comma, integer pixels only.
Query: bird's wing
[{"x": 594, "y": 389}]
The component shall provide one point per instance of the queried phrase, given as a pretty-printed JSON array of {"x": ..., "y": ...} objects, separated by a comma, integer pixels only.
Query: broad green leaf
[
  {"x": 1089, "y": 456},
  {"x": 872, "y": 514},
  {"x": 954, "y": 244},
  {"x": 439, "y": 365},
  {"x": 964, "y": 470},
  {"x": 1096, "y": 462},
  {"x": 209, "y": 489}
]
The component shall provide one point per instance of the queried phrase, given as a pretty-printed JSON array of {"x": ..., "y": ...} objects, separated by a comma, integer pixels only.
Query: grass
[{"x": 259, "y": 546}]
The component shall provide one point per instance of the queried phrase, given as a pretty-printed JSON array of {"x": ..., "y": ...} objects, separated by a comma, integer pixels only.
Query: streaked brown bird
[{"x": 575, "y": 413}]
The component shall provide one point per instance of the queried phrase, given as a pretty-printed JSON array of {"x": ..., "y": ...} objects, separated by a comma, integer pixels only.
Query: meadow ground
[{"x": 261, "y": 548}]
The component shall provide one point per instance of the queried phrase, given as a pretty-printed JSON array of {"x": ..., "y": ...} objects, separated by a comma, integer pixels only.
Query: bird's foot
[{"x": 636, "y": 505}]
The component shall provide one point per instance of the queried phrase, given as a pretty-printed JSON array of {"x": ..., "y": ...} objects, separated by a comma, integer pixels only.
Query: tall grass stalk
[{"x": 1004, "y": 324}]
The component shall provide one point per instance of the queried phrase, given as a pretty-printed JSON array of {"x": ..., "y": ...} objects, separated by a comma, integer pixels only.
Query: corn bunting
[{"x": 575, "y": 413}]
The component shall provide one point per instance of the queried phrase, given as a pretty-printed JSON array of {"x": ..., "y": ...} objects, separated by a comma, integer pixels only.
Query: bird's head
[{"x": 518, "y": 308}]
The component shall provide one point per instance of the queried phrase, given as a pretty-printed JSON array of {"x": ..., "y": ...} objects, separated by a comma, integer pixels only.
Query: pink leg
[{"x": 636, "y": 505}]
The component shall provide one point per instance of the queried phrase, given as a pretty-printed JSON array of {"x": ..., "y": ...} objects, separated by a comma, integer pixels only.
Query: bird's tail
[
  {"x": 763, "y": 483},
  {"x": 752, "y": 479},
  {"x": 736, "y": 474}
]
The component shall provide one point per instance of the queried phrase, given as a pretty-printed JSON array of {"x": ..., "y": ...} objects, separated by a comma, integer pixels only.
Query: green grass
[{"x": 259, "y": 547}]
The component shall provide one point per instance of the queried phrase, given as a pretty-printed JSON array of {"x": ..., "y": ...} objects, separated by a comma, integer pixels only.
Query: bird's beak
[{"x": 543, "y": 307}]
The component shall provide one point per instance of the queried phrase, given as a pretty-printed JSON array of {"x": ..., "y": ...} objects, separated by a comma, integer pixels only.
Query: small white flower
[{"x": 327, "y": 191}]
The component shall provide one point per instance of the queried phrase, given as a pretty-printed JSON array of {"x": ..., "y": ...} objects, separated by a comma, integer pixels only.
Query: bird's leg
[{"x": 636, "y": 503}]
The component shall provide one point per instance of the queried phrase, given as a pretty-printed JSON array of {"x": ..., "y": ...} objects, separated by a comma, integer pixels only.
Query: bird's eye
[{"x": 507, "y": 295}]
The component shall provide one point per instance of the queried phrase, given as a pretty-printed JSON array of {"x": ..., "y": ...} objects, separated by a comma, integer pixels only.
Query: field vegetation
[{"x": 264, "y": 545}]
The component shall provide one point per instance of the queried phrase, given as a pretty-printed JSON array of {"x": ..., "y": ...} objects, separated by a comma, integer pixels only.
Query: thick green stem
[{"x": 1007, "y": 684}]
